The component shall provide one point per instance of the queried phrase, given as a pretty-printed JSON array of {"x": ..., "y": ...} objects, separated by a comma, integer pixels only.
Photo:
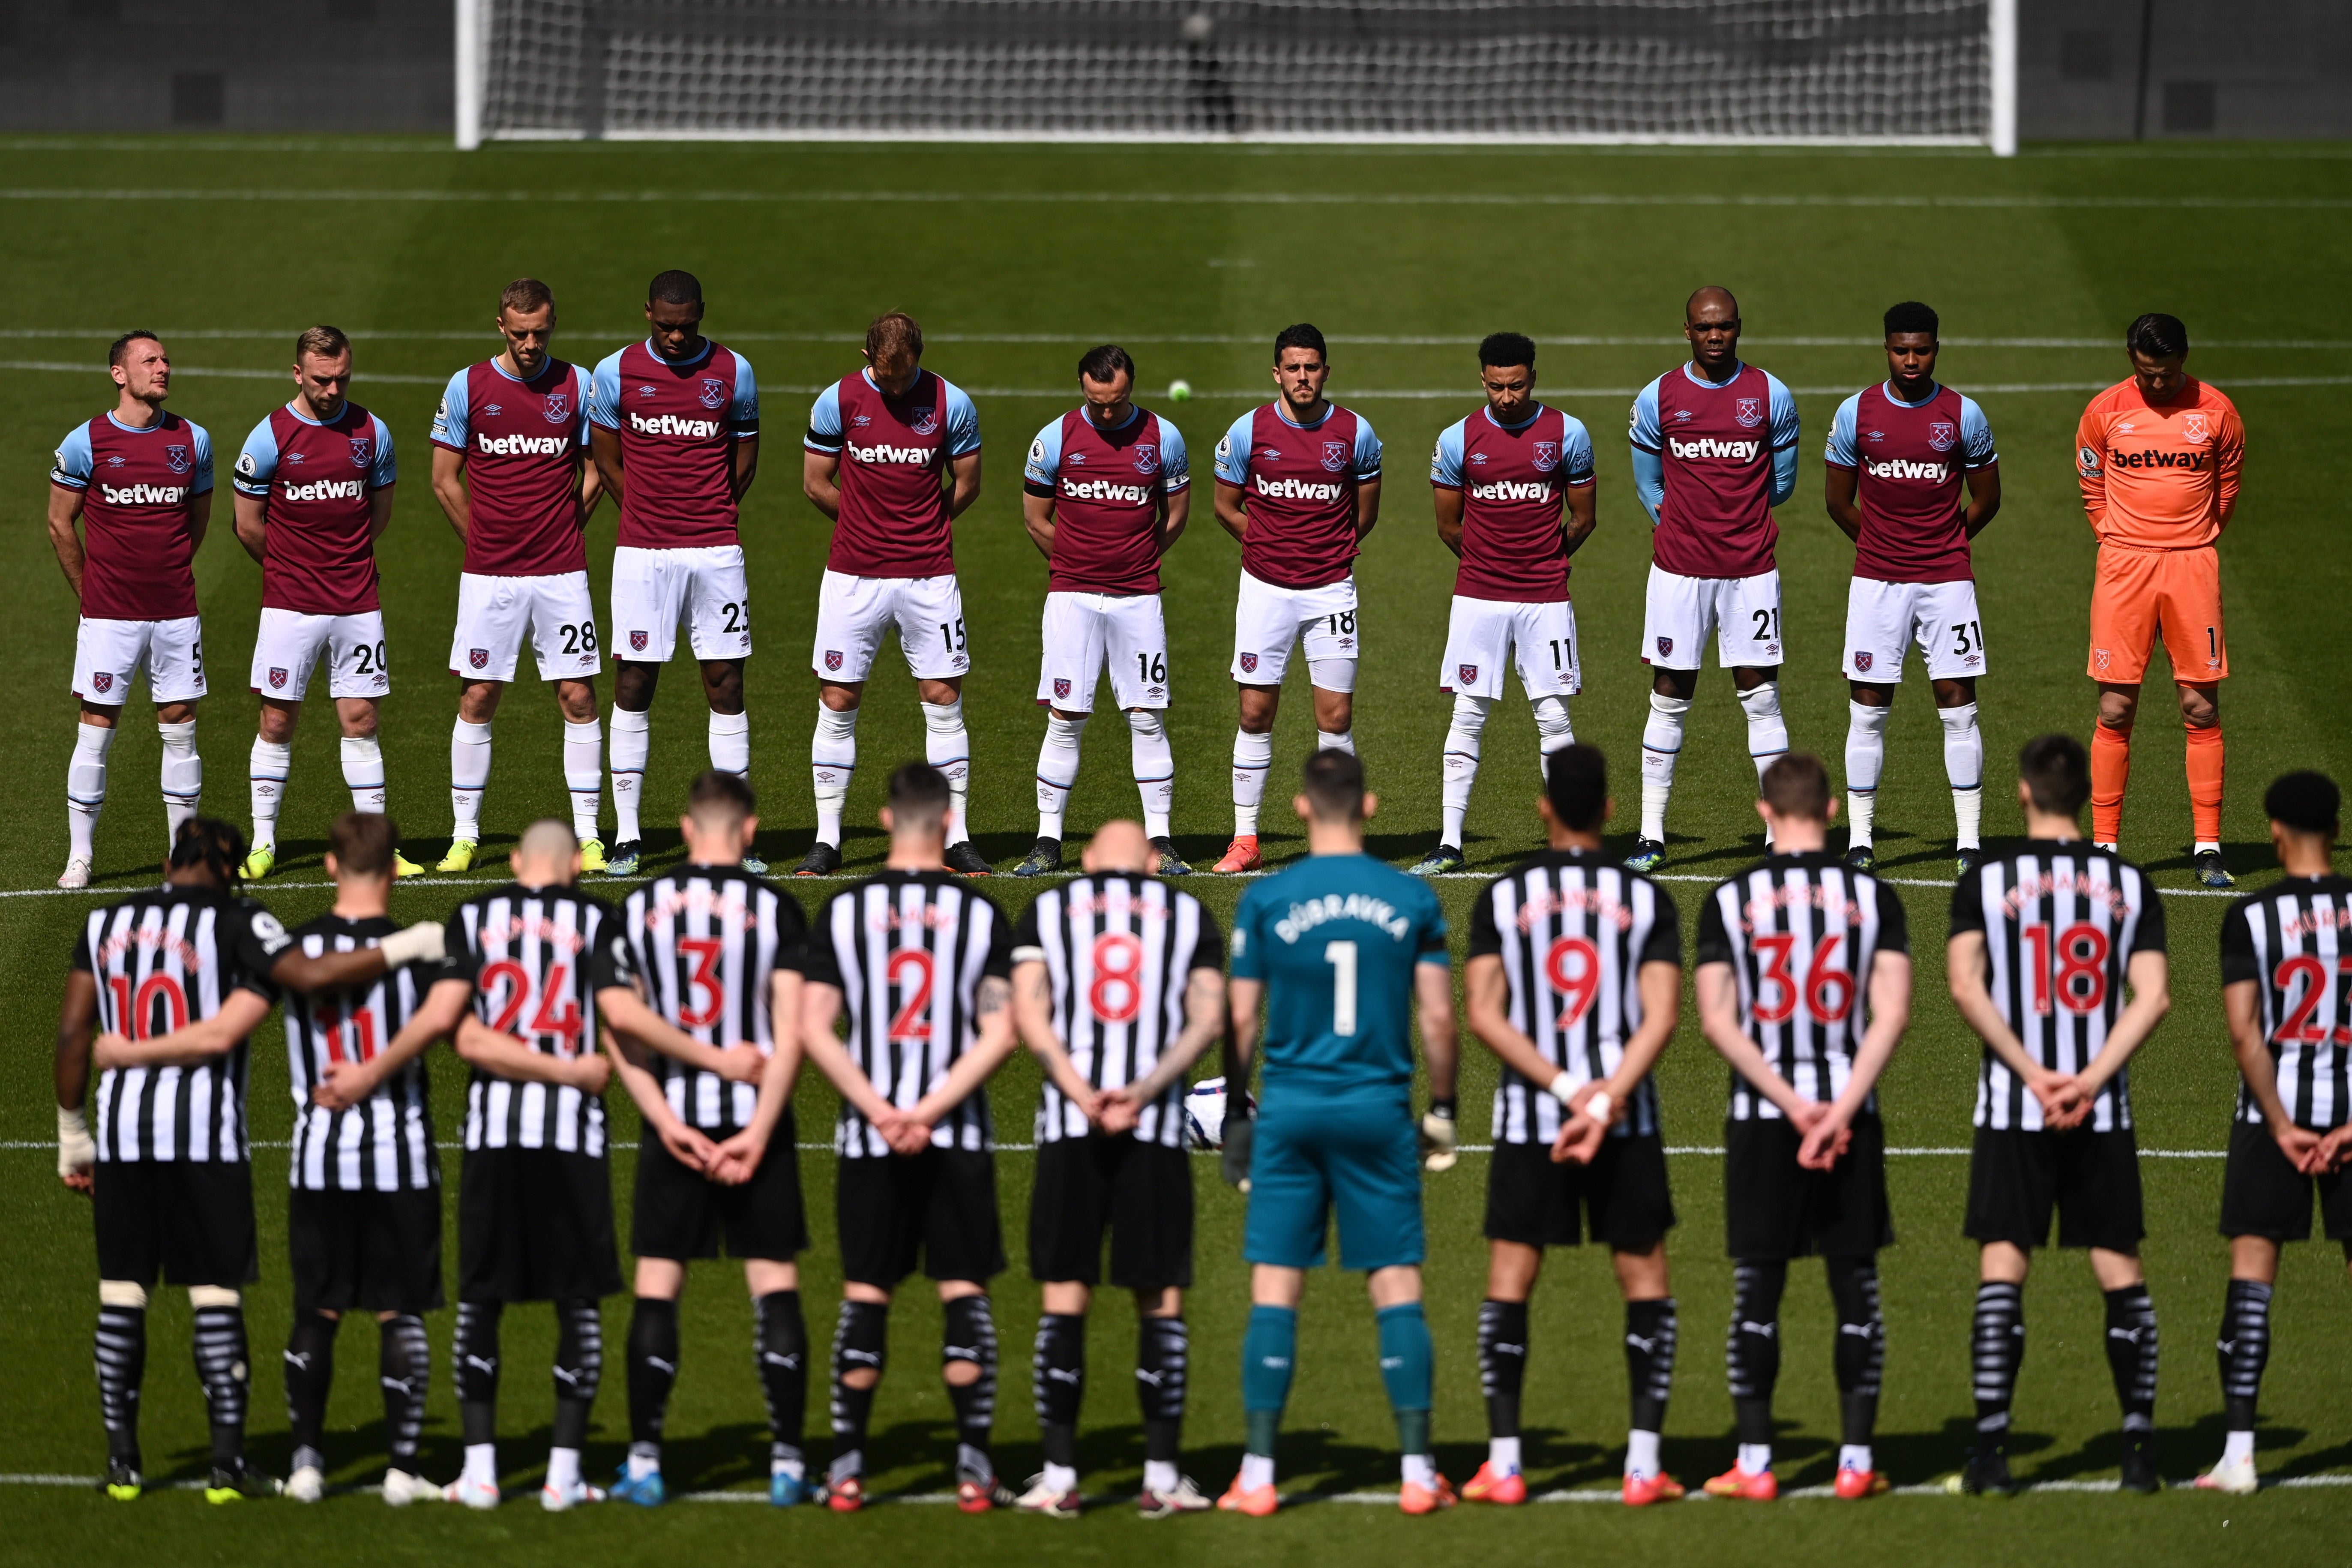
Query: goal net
[{"x": 1304, "y": 70}]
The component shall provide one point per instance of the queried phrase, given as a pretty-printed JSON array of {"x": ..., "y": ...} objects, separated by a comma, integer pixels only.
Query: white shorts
[
  {"x": 854, "y": 613},
  {"x": 494, "y": 613},
  {"x": 109, "y": 656},
  {"x": 653, "y": 588},
  {"x": 1267, "y": 620},
  {"x": 289, "y": 644},
  {"x": 1742, "y": 614},
  {"x": 1483, "y": 636},
  {"x": 1082, "y": 630},
  {"x": 1883, "y": 619}
]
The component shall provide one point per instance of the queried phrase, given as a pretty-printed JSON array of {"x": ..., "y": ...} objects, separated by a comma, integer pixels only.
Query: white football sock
[
  {"x": 730, "y": 743},
  {"x": 1345, "y": 740},
  {"x": 86, "y": 788},
  {"x": 583, "y": 775},
  {"x": 1553, "y": 732},
  {"x": 1417, "y": 1469},
  {"x": 1768, "y": 733},
  {"x": 1461, "y": 763},
  {"x": 482, "y": 1463},
  {"x": 1662, "y": 743},
  {"x": 832, "y": 759},
  {"x": 1964, "y": 770},
  {"x": 1503, "y": 1454},
  {"x": 562, "y": 1468},
  {"x": 946, "y": 747},
  {"x": 1154, "y": 761},
  {"x": 1057, "y": 771},
  {"x": 364, "y": 772},
  {"x": 1061, "y": 1477},
  {"x": 1257, "y": 1470},
  {"x": 469, "y": 776},
  {"x": 1252, "y": 760},
  {"x": 2238, "y": 1447},
  {"x": 266, "y": 771},
  {"x": 633, "y": 740},
  {"x": 1866, "y": 759},
  {"x": 1641, "y": 1453},
  {"x": 1854, "y": 1456},
  {"x": 1161, "y": 1475},
  {"x": 1755, "y": 1459},
  {"x": 184, "y": 775}
]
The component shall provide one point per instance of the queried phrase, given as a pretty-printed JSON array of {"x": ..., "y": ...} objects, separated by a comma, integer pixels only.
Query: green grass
[{"x": 2065, "y": 244}]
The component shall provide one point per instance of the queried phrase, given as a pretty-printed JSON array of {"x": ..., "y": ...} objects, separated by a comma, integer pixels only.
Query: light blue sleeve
[
  {"x": 580, "y": 395},
  {"x": 1575, "y": 461},
  {"x": 605, "y": 393},
  {"x": 385, "y": 470},
  {"x": 449, "y": 426},
  {"x": 1840, "y": 451},
  {"x": 824, "y": 421},
  {"x": 743, "y": 413},
  {"x": 1232, "y": 452},
  {"x": 201, "y": 482},
  {"x": 1784, "y": 439},
  {"x": 257, "y": 464},
  {"x": 1641, "y": 424},
  {"x": 1445, "y": 462},
  {"x": 1044, "y": 464},
  {"x": 1976, "y": 437},
  {"x": 74, "y": 461},
  {"x": 1650, "y": 481},
  {"x": 1175, "y": 461},
  {"x": 963, "y": 422},
  {"x": 1368, "y": 450}
]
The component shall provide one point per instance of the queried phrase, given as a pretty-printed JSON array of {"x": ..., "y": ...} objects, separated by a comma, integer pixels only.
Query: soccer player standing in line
[
  {"x": 1788, "y": 953},
  {"x": 674, "y": 427},
  {"x": 140, "y": 482},
  {"x": 921, "y": 965},
  {"x": 2287, "y": 995},
  {"x": 1514, "y": 490},
  {"x": 511, "y": 469},
  {"x": 2045, "y": 942},
  {"x": 1574, "y": 982},
  {"x": 1298, "y": 483},
  {"x": 710, "y": 1055},
  {"x": 1342, "y": 951},
  {"x": 2158, "y": 455},
  {"x": 893, "y": 457},
  {"x": 1106, "y": 492},
  {"x": 313, "y": 495},
  {"x": 1117, "y": 986},
  {"x": 1899, "y": 455},
  {"x": 1715, "y": 450}
]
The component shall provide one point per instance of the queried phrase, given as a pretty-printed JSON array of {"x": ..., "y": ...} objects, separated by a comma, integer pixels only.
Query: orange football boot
[
  {"x": 1256, "y": 1504},
  {"x": 1490, "y": 1486},
  {"x": 1852, "y": 1483},
  {"x": 1734, "y": 1482},
  {"x": 1413, "y": 1498},
  {"x": 1642, "y": 1490},
  {"x": 1240, "y": 854}
]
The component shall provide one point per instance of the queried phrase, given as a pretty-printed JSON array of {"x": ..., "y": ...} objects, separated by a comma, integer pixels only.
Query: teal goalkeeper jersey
[{"x": 1336, "y": 939}]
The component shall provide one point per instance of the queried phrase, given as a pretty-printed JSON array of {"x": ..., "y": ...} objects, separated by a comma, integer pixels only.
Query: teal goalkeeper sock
[
  {"x": 1406, "y": 1359},
  {"x": 1269, "y": 1350}
]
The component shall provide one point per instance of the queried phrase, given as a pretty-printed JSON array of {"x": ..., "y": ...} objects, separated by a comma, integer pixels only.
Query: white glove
[
  {"x": 77, "y": 1150},
  {"x": 424, "y": 942},
  {"x": 1438, "y": 1137}
]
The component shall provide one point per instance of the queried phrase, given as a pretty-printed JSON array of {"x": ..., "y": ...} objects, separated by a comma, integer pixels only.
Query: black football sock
[
  {"x": 121, "y": 1348},
  {"x": 473, "y": 1355},
  {"x": 1650, "y": 1330},
  {"x": 405, "y": 1368},
  {"x": 652, "y": 1372},
  {"x": 1059, "y": 1381},
  {"x": 2244, "y": 1348},
  {"x": 2131, "y": 1360},
  {"x": 783, "y": 1371},
  {"x": 1163, "y": 1347},
  {"x": 225, "y": 1372},
  {"x": 1752, "y": 1356},
  {"x": 579, "y": 1369},
  {"x": 861, "y": 1340},
  {"x": 1861, "y": 1354},
  {"x": 1997, "y": 1348},
  {"x": 309, "y": 1375},
  {"x": 1502, "y": 1363},
  {"x": 969, "y": 1335}
]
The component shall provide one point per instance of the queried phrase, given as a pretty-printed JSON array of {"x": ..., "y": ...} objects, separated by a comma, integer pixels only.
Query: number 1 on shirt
[{"x": 1341, "y": 957}]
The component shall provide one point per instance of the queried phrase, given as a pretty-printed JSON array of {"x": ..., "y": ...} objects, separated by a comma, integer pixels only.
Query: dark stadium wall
[{"x": 2115, "y": 71}]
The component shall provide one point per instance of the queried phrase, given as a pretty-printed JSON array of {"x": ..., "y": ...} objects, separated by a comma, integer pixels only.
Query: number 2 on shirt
[{"x": 913, "y": 1019}]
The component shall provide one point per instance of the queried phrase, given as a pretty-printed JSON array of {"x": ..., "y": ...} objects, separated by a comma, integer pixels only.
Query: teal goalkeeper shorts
[{"x": 1360, "y": 1157}]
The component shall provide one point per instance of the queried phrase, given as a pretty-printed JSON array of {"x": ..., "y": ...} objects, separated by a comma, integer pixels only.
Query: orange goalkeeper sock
[
  {"x": 2205, "y": 757},
  {"x": 2110, "y": 771}
]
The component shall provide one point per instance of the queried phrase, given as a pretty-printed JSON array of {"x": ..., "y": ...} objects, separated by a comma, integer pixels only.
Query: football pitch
[{"x": 1015, "y": 260}]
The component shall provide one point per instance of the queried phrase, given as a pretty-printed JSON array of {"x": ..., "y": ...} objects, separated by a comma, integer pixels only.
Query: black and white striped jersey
[
  {"x": 2294, "y": 942},
  {"x": 907, "y": 950},
  {"x": 1573, "y": 930},
  {"x": 537, "y": 957},
  {"x": 165, "y": 958},
  {"x": 1119, "y": 952},
  {"x": 2061, "y": 921},
  {"x": 384, "y": 1143},
  {"x": 708, "y": 941},
  {"x": 1801, "y": 934}
]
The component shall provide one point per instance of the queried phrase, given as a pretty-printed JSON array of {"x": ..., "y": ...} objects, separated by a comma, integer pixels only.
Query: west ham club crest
[
  {"x": 102, "y": 678},
  {"x": 276, "y": 679},
  {"x": 480, "y": 658},
  {"x": 1942, "y": 434},
  {"x": 176, "y": 458},
  {"x": 1466, "y": 673},
  {"x": 923, "y": 421},
  {"x": 832, "y": 659},
  {"x": 2194, "y": 429},
  {"x": 558, "y": 407},
  {"x": 1060, "y": 689},
  {"x": 1335, "y": 456},
  {"x": 638, "y": 641},
  {"x": 1147, "y": 457},
  {"x": 1749, "y": 412},
  {"x": 1547, "y": 457},
  {"x": 714, "y": 391},
  {"x": 1665, "y": 647},
  {"x": 1863, "y": 661},
  {"x": 363, "y": 449},
  {"x": 1249, "y": 664}
]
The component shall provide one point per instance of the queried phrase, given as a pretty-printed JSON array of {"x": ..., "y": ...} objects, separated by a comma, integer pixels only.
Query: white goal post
[{"x": 1794, "y": 72}]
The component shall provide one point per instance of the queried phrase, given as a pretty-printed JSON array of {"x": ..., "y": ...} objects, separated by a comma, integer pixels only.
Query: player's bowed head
[{"x": 1711, "y": 324}]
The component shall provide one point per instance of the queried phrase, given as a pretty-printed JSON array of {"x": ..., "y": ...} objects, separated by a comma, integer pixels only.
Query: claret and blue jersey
[{"x": 1649, "y": 435}]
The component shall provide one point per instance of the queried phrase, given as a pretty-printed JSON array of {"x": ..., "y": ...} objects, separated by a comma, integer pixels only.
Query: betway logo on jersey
[
  {"x": 1903, "y": 469},
  {"x": 671, "y": 425},
  {"x": 531, "y": 446},
  {"x": 142, "y": 495},
  {"x": 880, "y": 452},
  {"x": 325, "y": 490},
  {"x": 2195, "y": 461},
  {"x": 1298, "y": 490},
  {"x": 1708, "y": 446},
  {"x": 1105, "y": 489},
  {"x": 1306, "y": 917},
  {"x": 1512, "y": 489}
]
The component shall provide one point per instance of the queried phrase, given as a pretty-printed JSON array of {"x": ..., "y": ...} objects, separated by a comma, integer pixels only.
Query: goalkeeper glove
[
  {"x": 1241, "y": 1137},
  {"x": 1438, "y": 1138},
  {"x": 77, "y": 1150}
]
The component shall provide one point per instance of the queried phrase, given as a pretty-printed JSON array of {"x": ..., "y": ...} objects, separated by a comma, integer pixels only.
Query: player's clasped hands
[
  {"x": 2065, "y": 1102},
  {"x": 1116, "y": 1110},
  {"x": 343, "y": 1084},
  {"x": 1590, "y": 1113},
  {"x": 904, "y": 1134},
  {"x": 734, "y": 1161},
  {"x": 1827, "y": 1134}
]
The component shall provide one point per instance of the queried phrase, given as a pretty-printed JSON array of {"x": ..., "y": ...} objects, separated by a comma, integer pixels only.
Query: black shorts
[
  {"x": 535, "y": 1224},
  {"x": 1141, "y": 1191},
  {"x": 365, "y": 1251},
  {"x": 1622, "y": 1195},
  {"x": 186, "y": 1222},
  {"x": 682, "y": 1214},
  {"x": 2016, "y": 1177},
  {"x": 2261, "y": 1195},
  {"x": 942, "y": 1203},
  {"x": 1775, "y": 1210}
]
